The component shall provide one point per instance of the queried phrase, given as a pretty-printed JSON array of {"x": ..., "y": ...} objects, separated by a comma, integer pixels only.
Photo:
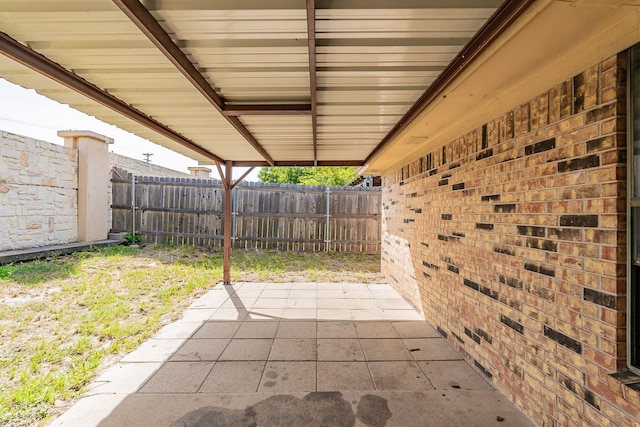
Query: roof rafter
[
  {"x": 266, "y": 109},
  {"x": 18, "y": 52},
  {"x": 311, "y": 37},
  {"x": 143, "y": 19}
]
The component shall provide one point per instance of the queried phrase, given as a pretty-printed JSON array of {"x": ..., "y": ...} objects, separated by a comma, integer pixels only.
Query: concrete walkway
[{"x": 301, "y": 354}]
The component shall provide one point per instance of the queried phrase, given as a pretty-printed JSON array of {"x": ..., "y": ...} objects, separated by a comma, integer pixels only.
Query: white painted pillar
[{"x": 93, "y": 182}]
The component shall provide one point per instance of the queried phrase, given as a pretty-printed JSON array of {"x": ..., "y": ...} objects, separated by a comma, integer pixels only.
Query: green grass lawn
[{"x": 63, "y": 319}]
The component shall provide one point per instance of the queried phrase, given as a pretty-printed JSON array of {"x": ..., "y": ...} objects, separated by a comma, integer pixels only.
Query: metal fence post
[
  {"x": 327, "y": 234},
  {"x": 234, "y": 215},
  {"x": 133, "y": 208}
]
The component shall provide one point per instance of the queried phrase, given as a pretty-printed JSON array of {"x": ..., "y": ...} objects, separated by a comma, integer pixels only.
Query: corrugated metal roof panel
[{"x": 373, "y": 61}]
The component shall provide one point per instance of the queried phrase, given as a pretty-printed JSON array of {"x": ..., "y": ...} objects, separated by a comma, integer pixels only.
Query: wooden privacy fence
[{"x": 265, "y": 216}]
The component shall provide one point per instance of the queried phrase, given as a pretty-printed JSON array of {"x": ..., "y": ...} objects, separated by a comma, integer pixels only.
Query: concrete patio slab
[
  {"x": 196, "y": 350},
  {"x": 289, "y": 377},
  {"x": 297, "y": 329},
  {"x": 342, "y": 349},
  {"x": 337, "y": 329},
  {"x": 344, "y": 376},
  {"x": 385, "y": 349},
  {"x": 234, "y": 377},
  {"x": 245, "y": 360},
  {"x": 178, "y": 377},
  {"x": 217, "y": 329},
  {"x": 247, "y": 349},
  {"x": 398, "y": 375},
  {"x": 293, "y": 349}
]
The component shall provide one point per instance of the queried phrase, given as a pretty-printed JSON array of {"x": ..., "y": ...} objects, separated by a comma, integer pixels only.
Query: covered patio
[
  {"x": 501, "y": 130},
  {"x": 295, "y": 354}
]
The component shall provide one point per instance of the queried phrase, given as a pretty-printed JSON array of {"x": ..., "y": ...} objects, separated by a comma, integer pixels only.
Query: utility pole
[{"x": 146, "y": 156}]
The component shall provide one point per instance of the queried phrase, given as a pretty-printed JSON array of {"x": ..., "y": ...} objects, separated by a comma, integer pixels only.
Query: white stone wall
[
  {"x": 38, "y": 193},
  {"x": 39, "y": 190}
]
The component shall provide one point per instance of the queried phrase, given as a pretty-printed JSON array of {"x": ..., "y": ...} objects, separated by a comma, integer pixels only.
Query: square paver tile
[
  {"x": 375, "y": 330},
  {"x": 401, "y": 315},
  {"x": 220, "y": 329},
  {"x": 238, "y": 303},
  {"x": 305, "y": 286},
  {"x": 333, "y": 314},
  {"x": 229, "y": 314},
  {"x": 431, "y": 349},
  {"x": 197, "y": 314},
  {"x": 280, "y": 286},
  {"x": 330, "y": 293},
  {"x": 355, "y": 287},
  {"x": 386, "y": 294},
  {"x": 123, "y": 378},
  {"x": 248, "y": 293},
  {"x": 332, "y": 303},
  {"x": 275, "y": 293},
  {"x": 339, "y": 376},
  {"x": 393, "y": 304},
  {"x": 247, "y": 349},
  {"x": 325, "y": 286},
  {"x": 303, "y": 293},
  {"x": 337, "y": 329},
  {"x": 264, "y": 314},
  {"x": 296, "y": 329},
  {"x": 196, "y": 350},
  {"x": 379, "y": 287},
  {"x": 288, "y": 377},
  {"x": 234, "y": 377},
  {"x": 365, "y": 303},
  {"x": 261, "y": 329},
  {"x": 445, "y": 375},
  {"x": 358, "y": 293},
  {"x": 178, "y": 377},
  {"x": 385, "y": 349},
  {"x": 177, "y": 330},
  {"x": 301, "y": 303},
  {"x": 299, "y": 313},
  {"x": 367, "y": 314},
  {"x": 211, "y": 299},
  {"x": 270, "y": 303},
  {"x": 398, "y": 375},
  {"x": 293, "y": 349},
  {"x": 153, "y": 350},
  {"x": 340, "y": 349},
  {"x": 415, "y": 329}
]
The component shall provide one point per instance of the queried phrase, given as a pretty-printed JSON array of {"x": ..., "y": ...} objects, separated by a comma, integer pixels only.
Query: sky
[{"x": 26, "y": 113}]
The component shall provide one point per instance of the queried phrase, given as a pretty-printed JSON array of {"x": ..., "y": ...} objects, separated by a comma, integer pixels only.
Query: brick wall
[
  {"x": 38, "y": 193},
  {"x": 517, "y": 239}
]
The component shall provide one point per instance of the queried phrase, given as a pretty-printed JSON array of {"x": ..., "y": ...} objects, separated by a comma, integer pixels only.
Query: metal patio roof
[{"x": 255, "y": 82}]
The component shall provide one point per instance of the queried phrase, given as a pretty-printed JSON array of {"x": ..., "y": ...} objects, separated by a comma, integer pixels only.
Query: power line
[{"x": 146, "y": 156}]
